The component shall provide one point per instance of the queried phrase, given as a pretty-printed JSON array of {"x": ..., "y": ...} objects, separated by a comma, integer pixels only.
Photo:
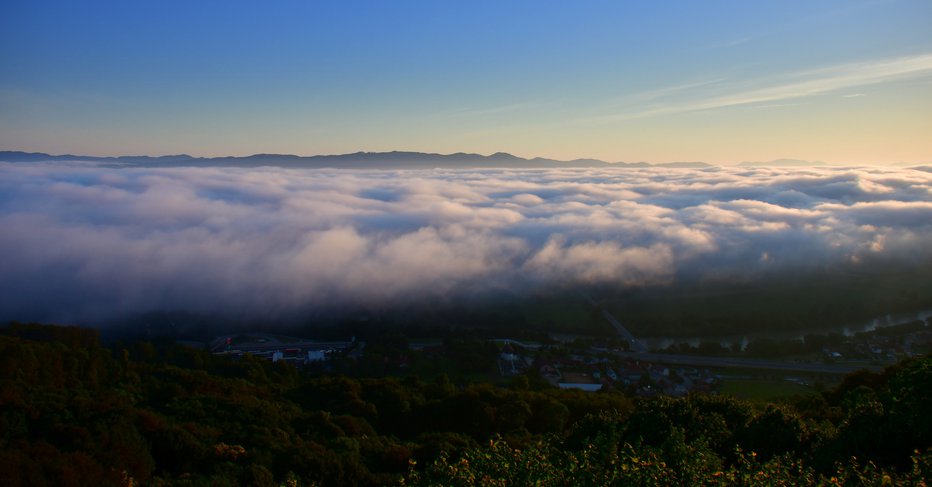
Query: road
[
  {"x": 699, "y": 361},
  {"x": 639, "y": 352},
  {"x": 633, "y": 342},
  {"x": 273, "y": 343}
]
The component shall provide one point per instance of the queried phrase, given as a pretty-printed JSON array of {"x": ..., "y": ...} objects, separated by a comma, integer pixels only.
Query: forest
[{"x": 74, "y": 411}]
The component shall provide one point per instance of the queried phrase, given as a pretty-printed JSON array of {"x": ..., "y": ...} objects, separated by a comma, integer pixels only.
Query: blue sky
[{"x": 720, "y": 81}]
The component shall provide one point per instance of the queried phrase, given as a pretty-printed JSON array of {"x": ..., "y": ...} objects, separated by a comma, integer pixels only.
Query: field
[
  {"x": 564, "y": 314},
  {"x": 785, "y": 304},
  {"x": 763, "y": 389}
]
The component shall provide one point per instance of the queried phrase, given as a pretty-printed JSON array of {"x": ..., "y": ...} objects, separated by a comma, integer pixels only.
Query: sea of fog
[{"x": 85, "y": 242}]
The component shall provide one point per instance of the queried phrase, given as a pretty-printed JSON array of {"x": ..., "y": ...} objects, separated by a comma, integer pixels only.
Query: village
[
  {"x": 598, "y": 368},
  {"x": 595, "y": 363}
]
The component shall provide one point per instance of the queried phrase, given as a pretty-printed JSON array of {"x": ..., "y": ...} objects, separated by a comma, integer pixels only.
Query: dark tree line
[{"x": 73, "y": 412}]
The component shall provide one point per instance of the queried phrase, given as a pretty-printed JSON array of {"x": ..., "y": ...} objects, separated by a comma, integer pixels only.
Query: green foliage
[{"x": 73, "y": 412}]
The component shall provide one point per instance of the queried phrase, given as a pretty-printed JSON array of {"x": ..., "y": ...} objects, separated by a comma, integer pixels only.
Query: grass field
[
  {"x": 763, "y": 389},
  {"x": 806, "y": 304},
  {"x": 566, "y": 314}
]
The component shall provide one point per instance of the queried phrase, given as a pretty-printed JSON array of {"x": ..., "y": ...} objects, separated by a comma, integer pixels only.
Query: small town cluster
[
  {"x": 591, "y": 364},
  {"x": 600, "y": 368}
]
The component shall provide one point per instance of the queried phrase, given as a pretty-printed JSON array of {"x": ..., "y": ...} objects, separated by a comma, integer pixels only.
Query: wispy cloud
[
  {"x": 730, "y": 43},
  {"x": 668, "y": 91},
  {"x": 775, "y": 105},
  {"x": 853, "y": 95},
  {"x": 795, "y": 85}
]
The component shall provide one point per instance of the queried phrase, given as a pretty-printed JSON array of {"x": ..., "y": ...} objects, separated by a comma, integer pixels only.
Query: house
[
  {"x": 581, "y": 386},
  {"x": 508, "y": 353}
]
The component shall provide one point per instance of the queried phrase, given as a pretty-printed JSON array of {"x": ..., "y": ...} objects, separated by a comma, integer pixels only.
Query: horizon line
[{"x": 800, "y": 162}]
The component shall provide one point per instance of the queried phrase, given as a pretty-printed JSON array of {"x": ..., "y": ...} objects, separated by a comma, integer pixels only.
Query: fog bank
[{"x": 83, "y": 242}]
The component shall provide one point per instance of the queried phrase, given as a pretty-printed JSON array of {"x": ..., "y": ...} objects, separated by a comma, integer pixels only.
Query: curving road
[
  {"x": 639, "y": 352},
  {"x": 700, "y": 361}
]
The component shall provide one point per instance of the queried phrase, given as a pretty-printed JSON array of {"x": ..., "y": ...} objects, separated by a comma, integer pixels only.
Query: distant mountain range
[
  {"x": 783, "y": 163},
  {"x": 377, "y": 160},
  {"x": 357, "y": 160}
]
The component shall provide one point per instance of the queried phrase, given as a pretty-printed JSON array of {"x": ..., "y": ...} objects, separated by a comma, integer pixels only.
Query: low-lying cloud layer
[{"x": 81, "y": 243}]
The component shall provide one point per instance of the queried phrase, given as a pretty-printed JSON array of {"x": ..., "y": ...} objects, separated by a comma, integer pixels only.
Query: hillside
[{"x": 74, "y": 412}]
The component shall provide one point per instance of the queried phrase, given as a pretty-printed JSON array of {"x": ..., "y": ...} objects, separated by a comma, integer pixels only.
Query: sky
[{"x": 845, "y": 82}]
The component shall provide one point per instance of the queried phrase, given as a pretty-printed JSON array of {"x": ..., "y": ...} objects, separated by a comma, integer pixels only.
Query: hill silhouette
[{"x": 356, "y": 160}]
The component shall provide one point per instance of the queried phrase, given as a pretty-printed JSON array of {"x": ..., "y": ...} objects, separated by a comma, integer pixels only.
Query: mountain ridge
[
  {"x": 782, "y": 163},
  {"x": 355, "y": 160}
]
